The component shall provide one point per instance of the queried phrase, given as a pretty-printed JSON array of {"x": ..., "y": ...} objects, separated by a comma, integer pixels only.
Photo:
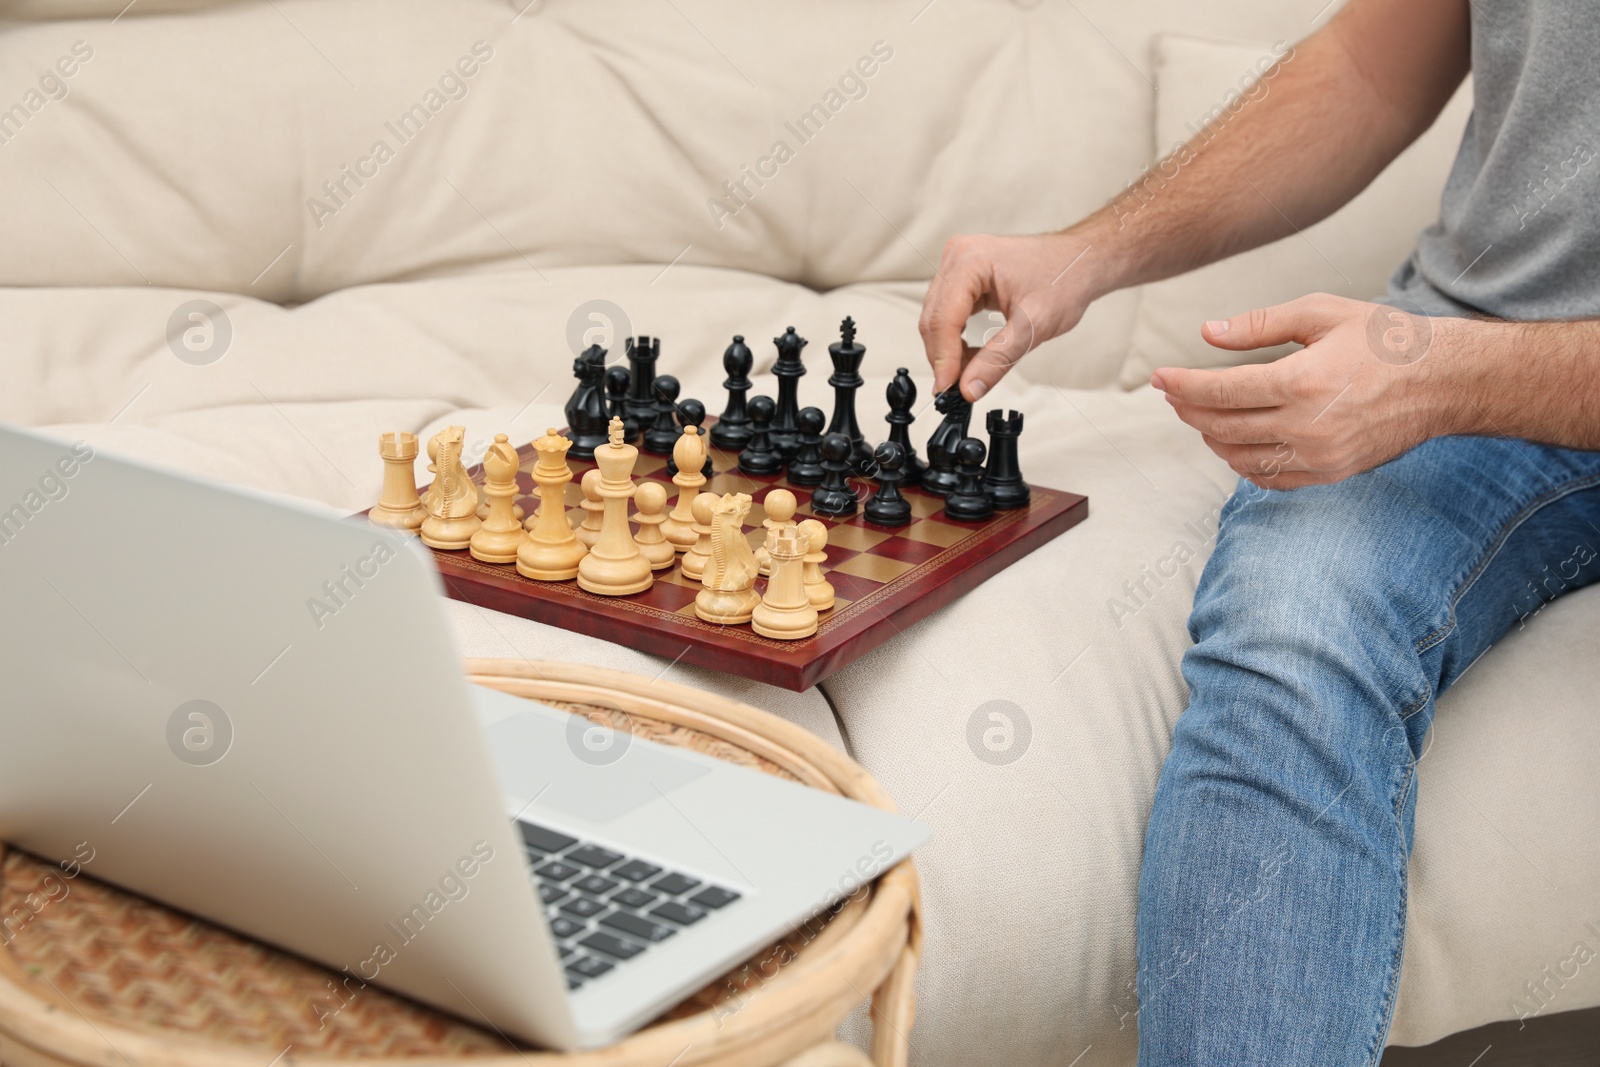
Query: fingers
[
  {"x": 1001, "y": 352},
  {"x": 954, "y": 294},
  {"x": 1302, "y": 321},
  {"x": 1264, "y": 461},
  {"x": 1254, "y": 386}
]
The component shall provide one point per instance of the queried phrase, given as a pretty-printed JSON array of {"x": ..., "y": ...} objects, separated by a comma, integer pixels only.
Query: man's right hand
[{"x": 1040, "y": 284}]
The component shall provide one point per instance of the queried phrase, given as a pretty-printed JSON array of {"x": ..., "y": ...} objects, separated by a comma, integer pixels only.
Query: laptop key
[
  {"x": 630, "y": 923},
  {"x": 562, "y": 926},
  {"x": 565, "y": 951},
  {"x": 556, "y": 871},
  {"x": 589, "y": 966},
  {"x": 682, "y": 914},
  {"x": 636, "y": 871},
  {"x": 601, "y": 941},
  {"x": 673, "y": 884},
  {"x": 595, "y": 884},
  {"x": 549, "y": 893},
  {"x": 583, "y": 907},
  {"x": 573, "y": 984},
  {"x": 593, "y": 856},
  {"x": 714, "y": 896},
  {"x": 634, "y": 898},
  {"x": 545, "y": 840}
]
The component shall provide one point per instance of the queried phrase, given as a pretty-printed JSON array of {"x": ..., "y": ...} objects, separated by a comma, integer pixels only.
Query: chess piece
[
  {"x": 785, "y": 613},
  {"x": 886, "y": 506},
  {"x": 759, "y": 456},
  {"x": 902, "y": 397},
  {"x": 728, "y": 594},
  {"x": 694, "y": 560},
  {"x": 552, "y": 551},
  {"x": 846, "y": 379},
  {"x": 692, "y": 413},
  {"x": 642, "y": 355},
  {"x": 501, "y": 534},
  {"x": 689, "y": 451},
  {"x": 615, "y": 566},
  {"x": 818, "y": 589},
  {"x": 586, "y": 408},
  {"x": 398, "y": 507},
  {"x": 732, "y": 431},
  {"x": 452, "y": 499},
  {"x": 661, "y": 434},
  {"x": 967, "y": 502},
  {"x": 806, "y": 467},
  {"x": 789, "y": 369},
  {"x": 779, "y": 504},
  {"x": 588, "y": 532},
  {"x": 617, "y": 379},
  {"x": 940, "y": 477},
  {"x": 834, "y": 496},
  {"x": 651, "y": 497},
  {"x": 1002, "y": 478}
]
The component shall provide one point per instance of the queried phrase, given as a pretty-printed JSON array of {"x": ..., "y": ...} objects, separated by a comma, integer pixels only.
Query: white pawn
[
  {"x": 594, "y": 508},
  {"x": 779, "y": 504},
  {"x": 652, "y": 500},
  {"x": 694, "y": 560},
  {"x": 818, "y": 589}
]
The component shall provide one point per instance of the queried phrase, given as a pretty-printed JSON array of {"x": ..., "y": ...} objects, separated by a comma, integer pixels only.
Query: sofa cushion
[{"x": 1351, "y": 253}]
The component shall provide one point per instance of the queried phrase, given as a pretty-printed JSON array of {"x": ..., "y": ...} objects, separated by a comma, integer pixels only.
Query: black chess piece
[
  {"x": 846, "y": 379},
  {"x": 586, "y": 408},
  {"x": 886, "y": 506},
  {"x": 902, "y": 396},
  {"x": 759, "y": 456},
  {"x": 968, "y": 502},
  {"x": 732, "y": 431},
  {"x": 789, "y": 370},
  {"x": 662, "y": 434},
  {"x": 691, "y": 413},
  {"x": 617, "y": 379},
  {"x": 940, "y": 478},
  {"x": 806, "y": 466},
  {"x": 834, "y": 496},
  {"x": 642, "y": 355},
  {"x": 1002, "y": 478}
]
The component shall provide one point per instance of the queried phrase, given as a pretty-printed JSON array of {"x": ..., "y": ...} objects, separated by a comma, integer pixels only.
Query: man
[{"x": 1413, "y": 486}]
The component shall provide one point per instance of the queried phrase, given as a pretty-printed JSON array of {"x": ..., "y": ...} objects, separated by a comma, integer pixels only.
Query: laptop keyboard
[{"x": 606, "y": 908}]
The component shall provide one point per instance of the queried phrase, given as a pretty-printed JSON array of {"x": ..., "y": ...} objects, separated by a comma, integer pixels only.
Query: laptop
[{"x": 256, "y": 713}]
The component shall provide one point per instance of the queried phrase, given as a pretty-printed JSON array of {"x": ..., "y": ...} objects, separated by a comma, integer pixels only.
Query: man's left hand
[{"x": 1359, "y": 394}]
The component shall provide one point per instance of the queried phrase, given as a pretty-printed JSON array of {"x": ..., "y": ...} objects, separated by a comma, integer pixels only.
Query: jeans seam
[
  {"x": 1528, "y": 511},
  {"x": 1375, "y": 1048}
]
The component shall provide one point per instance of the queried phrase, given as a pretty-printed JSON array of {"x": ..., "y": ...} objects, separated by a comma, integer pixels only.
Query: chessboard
[{"x": 885, "y": 579}]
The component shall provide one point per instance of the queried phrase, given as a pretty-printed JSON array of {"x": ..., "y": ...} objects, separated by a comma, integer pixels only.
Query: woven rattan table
[{"x": 90, "y": 975}]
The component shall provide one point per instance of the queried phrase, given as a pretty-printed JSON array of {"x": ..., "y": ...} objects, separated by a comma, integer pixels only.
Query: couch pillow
[{"x": 1351, "y": 253}]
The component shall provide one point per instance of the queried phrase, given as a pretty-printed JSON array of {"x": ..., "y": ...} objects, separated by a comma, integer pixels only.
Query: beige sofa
[{"x": 407, "y": 214}]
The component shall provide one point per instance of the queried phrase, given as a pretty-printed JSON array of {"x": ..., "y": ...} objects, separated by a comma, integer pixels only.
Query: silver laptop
[{"x": 257, "y": 714}]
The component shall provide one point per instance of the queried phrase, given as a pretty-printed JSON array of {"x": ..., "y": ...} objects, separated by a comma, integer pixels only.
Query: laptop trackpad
[{"x": 570, "y": 764}]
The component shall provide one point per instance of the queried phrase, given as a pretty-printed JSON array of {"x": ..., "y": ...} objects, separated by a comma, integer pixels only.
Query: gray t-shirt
[{"x": 1518, "y": 235}]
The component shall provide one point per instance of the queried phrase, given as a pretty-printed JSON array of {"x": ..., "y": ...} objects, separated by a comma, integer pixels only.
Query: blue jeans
[{"x": 1272, "y": 903}]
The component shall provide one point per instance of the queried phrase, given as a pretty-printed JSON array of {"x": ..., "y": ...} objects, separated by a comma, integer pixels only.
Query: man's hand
[
  {"x": 1037, "y": 283},
  {"x": 1361, "y": 392}
]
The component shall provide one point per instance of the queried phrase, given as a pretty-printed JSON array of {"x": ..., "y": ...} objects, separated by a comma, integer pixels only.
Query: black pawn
[
  {"x": 902, "y": 396},
  {"x": 968, "y": 502},
  {"x": 663, "y": 432},
  {"x": 887, "y": 507},
  {"x": 617, "y": 379},
  {"x": 806, "y": 467},
  {"x": 1002, "y": 479},
  {"x": 846, "y": 379},
  {"x": 587, "y": 420},
  {"x": 789, "y": 370},
  {"x": 940, "y": 478},
  {"x": 732, "y": 431},
  {"x": 834, "y": 496},
  {"x": 642, "y": 355},
  {"x": 759, "y": 457},
  {"x": 691, "y": 413}
]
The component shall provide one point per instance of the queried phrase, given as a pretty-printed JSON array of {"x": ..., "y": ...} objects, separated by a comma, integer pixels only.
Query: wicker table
[{"x": 90, "y": 975}]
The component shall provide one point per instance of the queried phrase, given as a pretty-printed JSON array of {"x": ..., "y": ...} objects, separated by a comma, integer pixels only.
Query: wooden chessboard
[{"x": 884, "y": 578}]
